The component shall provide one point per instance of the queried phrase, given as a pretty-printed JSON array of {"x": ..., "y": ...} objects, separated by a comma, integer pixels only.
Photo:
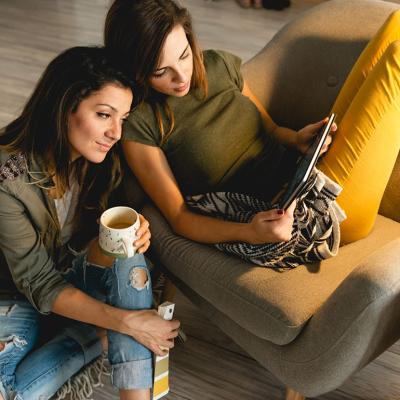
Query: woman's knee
[
  {"x": 394, "y": 19},
  {"x": 135, "y": 270},
  {"x": 10, "y": 343},
  {"x": 139, "y": 278},
  {"x": 18, "y": 330},
  {"x": 13, "y": 349},
  {"x": 130, "y": 284}
]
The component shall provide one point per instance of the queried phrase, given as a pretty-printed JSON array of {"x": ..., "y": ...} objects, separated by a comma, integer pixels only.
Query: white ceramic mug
[{"x": 118, "y": 227}]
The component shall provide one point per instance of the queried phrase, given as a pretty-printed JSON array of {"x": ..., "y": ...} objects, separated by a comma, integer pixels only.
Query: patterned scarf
[{"x": 315, "y": 234}]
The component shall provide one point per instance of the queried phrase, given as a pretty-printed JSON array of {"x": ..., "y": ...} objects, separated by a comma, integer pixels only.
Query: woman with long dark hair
[{"x": 58, "y": 168}]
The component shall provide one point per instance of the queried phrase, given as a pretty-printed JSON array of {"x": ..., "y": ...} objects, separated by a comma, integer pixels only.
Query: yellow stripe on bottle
[{"x": 161, "y": 387}]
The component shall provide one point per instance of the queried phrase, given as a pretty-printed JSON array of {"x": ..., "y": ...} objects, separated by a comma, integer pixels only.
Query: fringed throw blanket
[
  {"x": 315, "y": 234},
  {"x": 81, "y": 385}
]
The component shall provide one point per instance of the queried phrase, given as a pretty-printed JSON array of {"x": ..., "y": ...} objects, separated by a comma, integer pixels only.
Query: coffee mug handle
[{"x": 129, "y": 249}]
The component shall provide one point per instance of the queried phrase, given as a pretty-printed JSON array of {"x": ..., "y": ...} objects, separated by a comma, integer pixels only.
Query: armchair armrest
[{"x": 358, "y": 322}]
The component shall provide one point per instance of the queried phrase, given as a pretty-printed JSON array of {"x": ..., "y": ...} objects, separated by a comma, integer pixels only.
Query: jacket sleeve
[{"x": 30, "y": 265}]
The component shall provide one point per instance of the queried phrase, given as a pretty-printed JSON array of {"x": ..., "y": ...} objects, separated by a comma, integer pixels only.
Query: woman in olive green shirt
[{"x": 200, "y": 129}]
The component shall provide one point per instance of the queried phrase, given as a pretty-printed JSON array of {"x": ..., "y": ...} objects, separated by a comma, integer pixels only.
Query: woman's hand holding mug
[{"x": 118, "y": 231}]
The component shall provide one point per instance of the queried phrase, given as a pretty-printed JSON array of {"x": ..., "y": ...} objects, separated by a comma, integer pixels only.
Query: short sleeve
[
  {"x": 233, "y": 64},
  {"x": 141, "y": 126}
]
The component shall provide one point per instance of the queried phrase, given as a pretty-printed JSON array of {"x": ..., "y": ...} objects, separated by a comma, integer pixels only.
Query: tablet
[{"x": 305, "y": 166}]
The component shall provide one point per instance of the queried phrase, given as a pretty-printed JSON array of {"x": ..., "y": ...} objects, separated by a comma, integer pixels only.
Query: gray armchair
[{"x": 314, "y": 326}]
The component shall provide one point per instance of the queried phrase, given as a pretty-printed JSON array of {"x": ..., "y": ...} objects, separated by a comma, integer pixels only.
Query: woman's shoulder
[
  {"x": 217, "y": 55},
  {"x": 223, "y": 67},
  {"x": 141, "y": 125},
  {"x": 213, "y": 57},
  {"x": 143, "y": 114}
]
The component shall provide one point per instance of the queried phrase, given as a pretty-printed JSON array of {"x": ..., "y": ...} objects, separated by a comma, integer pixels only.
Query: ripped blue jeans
[{"x": 29, "y": 371}]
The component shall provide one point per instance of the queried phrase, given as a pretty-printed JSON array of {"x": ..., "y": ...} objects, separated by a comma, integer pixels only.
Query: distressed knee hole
[
  {"x": 138, "y": 278},
  {"x": 12, "y": 341}
]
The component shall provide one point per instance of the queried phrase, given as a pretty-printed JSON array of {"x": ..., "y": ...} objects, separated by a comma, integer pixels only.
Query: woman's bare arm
[{"x": 151, "y": 167}]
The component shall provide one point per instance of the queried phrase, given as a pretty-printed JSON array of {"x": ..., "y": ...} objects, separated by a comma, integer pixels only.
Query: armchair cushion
[{"x": 271, "y": 305}]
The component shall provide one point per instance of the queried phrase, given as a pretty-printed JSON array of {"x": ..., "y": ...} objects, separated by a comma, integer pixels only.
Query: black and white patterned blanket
[{"x": 315, "y": 234}]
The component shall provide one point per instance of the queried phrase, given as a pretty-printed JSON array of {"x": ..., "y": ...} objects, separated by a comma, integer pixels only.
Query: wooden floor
[
  {"x": 32, "y": 32},
  {"x": 209, "y": 366}
]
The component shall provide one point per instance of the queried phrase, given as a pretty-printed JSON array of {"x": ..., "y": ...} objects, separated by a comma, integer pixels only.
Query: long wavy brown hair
[
  {"x": 135, "y": 32},
  {"x": 40, "y": 133}
]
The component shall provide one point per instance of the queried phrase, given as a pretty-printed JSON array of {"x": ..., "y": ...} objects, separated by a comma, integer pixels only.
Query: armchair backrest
[{"x": 299, "y": 73}]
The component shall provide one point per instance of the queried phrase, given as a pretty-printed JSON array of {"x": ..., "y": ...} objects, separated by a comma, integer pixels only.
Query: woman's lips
[
  {"x": 182, "y": 88},
  {"x": 104, "y": 147}
]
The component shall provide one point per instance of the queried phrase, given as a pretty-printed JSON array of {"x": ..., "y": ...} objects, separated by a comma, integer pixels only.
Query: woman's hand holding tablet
[{"x": 305, "y": 165}]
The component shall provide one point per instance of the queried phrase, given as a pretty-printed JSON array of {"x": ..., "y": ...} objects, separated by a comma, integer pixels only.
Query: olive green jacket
[
  {"x": 32, "y": 257},
  {"x": 29, "y": 234}
]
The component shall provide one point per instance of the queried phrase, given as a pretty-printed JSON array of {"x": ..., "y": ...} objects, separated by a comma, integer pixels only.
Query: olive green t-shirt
[{"x": 218, "y": 143}]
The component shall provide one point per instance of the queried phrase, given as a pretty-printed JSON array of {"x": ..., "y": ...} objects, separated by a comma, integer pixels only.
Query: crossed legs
[{"x": 367, "y": 142}]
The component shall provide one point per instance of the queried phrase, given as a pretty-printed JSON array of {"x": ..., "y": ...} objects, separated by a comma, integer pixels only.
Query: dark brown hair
[
  {"x": 135, "y": 31},
  {"x": 41, "y": 131}
]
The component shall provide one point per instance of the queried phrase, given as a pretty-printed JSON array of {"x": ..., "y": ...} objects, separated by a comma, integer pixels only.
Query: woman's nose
[
  {"x": 180, "y": 75},
  {"x": 115, "y": 131}
]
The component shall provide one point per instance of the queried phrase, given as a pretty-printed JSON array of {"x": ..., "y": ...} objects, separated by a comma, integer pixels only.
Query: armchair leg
[{"x": 292, "y": 395}]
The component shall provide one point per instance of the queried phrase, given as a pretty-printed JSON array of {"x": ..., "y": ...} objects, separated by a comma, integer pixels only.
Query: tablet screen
[{"x": 305, "y": 166}]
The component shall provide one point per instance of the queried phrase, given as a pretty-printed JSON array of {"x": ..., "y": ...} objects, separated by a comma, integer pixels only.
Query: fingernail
[{"x": 280, "y": 212}]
